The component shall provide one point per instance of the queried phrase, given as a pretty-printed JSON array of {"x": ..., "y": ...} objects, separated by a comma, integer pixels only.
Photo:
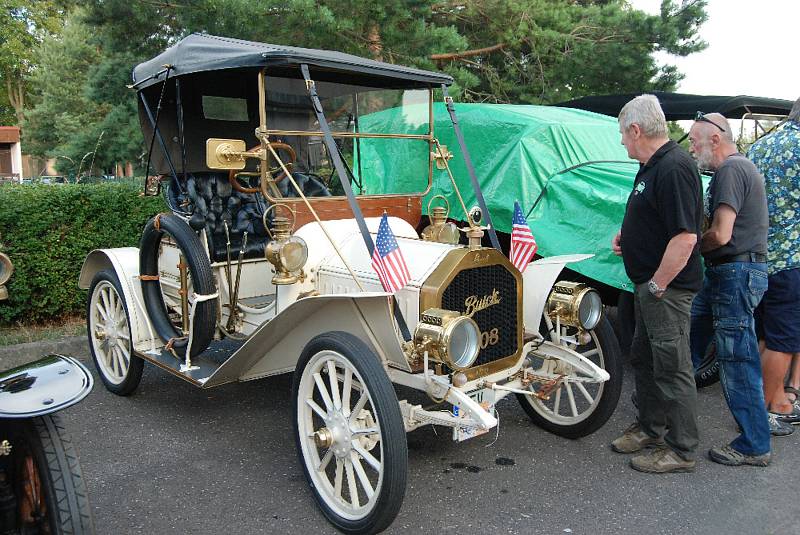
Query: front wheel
[
  {"x": 576, "y": 407},
  {"x": 45, "y": 477},
  {"x": 349, "y": 433}
]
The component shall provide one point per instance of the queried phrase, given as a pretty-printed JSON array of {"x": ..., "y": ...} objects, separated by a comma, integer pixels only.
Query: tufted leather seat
[{"x": 215, "y": 203}]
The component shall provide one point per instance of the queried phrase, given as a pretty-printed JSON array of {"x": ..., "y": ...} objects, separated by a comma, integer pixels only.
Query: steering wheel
[{"x": 233, "y": 173}]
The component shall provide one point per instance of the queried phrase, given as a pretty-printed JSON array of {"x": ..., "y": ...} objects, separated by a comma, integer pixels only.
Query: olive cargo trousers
[{"x": 663, "y": 370}]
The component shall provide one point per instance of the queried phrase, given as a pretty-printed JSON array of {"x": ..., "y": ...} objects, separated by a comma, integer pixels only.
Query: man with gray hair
[
  {"x": 735, "y": 251},
  {"x": 658, "y": 243}
]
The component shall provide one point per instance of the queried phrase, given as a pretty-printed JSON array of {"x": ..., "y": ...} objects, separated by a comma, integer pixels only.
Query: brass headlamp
[
  {"x": 286, "y": 252},
  {"x": 575, "y": 304},
  {"x": 6, "y": 269},
  {"x": 448, "y": 337}
]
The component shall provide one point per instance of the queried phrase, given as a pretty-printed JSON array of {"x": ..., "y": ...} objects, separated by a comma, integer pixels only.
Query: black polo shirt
[{"x": 666, "y": 200}]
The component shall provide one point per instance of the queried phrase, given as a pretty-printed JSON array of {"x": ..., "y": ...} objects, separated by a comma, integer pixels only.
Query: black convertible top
[
  {"x": 202, "y": 52},
  {"x": 679, "y": 106}
]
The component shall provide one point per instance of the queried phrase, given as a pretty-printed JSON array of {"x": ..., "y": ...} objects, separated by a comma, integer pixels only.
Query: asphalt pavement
[{"x": 173, "y": 458}]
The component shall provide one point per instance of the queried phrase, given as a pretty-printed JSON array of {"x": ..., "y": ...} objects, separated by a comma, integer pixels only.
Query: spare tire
[{"x": 202, "y": 281}]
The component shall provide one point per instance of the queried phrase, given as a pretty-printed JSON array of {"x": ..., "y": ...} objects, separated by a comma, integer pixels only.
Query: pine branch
[{"x": 467, "y": 53}]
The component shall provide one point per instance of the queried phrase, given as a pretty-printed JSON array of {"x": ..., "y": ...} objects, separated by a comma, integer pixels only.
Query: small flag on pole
[
  {"x": 523, "y": 246},
  {"x": 387, "y": 259}
]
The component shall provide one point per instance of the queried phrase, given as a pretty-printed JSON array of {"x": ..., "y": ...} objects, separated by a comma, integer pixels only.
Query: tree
[
  {"x": 63, "y": 113},
  {"x": 543, "y": 51},
  {"x": 517, "y": 51},
  {"x": 23, "y": 25}
]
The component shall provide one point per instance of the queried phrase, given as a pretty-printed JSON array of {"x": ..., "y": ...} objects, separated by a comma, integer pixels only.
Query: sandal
[{"x": 793, "y": 391}]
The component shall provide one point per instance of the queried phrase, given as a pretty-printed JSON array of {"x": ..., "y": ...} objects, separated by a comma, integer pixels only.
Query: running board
[{"x": 203, "y": 365}]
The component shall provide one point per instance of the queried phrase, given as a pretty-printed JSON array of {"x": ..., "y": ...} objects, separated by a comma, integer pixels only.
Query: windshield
[{"x": 351, "y": 111}]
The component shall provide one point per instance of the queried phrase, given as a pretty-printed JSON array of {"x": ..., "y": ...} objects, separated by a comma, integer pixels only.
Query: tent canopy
[{"x": 678, "y": 107}]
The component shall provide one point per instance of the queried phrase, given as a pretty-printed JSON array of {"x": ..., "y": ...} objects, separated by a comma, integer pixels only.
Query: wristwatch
[{"x": 655, "y": 289}]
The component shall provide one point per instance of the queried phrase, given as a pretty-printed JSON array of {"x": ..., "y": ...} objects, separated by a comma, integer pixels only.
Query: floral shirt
[{"x": 777, "y": 157}]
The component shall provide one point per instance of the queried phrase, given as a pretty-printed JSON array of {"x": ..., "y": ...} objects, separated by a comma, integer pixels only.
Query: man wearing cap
[{"x": 735, "y": 252}]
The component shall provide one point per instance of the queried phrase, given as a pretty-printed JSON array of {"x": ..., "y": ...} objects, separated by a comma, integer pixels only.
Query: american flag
[
  {"x": 387, "y": 259},
  {"x": 523, "y": 246}
]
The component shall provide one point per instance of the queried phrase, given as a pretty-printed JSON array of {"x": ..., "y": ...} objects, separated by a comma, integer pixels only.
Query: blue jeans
[{"x": 723, "y": 310}]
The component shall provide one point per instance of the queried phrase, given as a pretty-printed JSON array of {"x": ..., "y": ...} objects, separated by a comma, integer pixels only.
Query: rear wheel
[
  {"x": 576, "y": 407},
  {"x": 109, "y": 330},
  {"x": 46, "y": 478},
  {"x": 349, "y": 433}
]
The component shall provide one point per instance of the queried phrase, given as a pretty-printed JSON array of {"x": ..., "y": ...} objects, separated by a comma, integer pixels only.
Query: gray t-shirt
[{"x": 738, "y": 184}]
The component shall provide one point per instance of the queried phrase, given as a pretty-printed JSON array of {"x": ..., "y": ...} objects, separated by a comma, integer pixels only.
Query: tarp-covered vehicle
[
  {"x": 282, "y": 240},
  {"x": 565, "y": 167}
]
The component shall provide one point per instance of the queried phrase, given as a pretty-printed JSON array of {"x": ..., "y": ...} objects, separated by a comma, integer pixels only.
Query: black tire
[
  {"x": 65, "y": 500},
  {"x": 626, "y": 321},
  {"x": 597, "y": 414},
  {"x": 707, "y": 373},
  {"x": 202, "y": 279},
  {"x": 122, "y": 384},
  {"x": 393, "y": 445}
]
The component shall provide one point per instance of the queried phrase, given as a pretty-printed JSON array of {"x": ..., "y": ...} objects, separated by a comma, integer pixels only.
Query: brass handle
[{"x": 272, "y": 207}]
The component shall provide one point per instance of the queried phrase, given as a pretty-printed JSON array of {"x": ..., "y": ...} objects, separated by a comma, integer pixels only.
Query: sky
[{"x": 750, "y": 46}]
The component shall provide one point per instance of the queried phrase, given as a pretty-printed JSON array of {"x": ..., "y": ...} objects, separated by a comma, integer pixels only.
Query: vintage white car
[{"x": 265, "y": 265}]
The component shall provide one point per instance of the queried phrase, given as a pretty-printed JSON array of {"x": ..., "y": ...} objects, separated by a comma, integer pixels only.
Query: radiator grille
[{"x": 482, "y": 282}]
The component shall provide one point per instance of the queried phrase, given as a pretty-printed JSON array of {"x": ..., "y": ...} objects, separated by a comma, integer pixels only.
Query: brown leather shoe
[
  {"x": 662, "y": 461},
  {"x": 634, "y": 439}
]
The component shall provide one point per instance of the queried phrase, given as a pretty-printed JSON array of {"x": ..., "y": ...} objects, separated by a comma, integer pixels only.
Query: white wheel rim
[
  {"x": 111, "y": 336},
  {"x": 348, "y": 474},
  {"x": 575, "y": 399}
]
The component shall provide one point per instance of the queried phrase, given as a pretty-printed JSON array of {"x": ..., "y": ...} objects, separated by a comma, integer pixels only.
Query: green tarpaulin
[{"x": 519, "y": 152}]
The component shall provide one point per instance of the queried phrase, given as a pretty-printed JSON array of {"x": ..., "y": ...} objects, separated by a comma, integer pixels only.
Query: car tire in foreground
[{"x": 47, "y": 477}]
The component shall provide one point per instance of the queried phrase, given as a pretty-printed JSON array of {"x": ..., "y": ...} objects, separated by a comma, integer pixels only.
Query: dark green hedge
[{"x": 48, "y": 230}]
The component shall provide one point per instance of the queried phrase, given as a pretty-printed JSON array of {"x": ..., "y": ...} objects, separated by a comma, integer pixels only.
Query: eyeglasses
[{"x": 700, "y": 116}]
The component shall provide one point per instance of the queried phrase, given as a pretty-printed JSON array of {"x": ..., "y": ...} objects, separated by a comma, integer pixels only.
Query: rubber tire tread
[
  {"x": 202, "y": 279},
  {"x": 387, "y": 408},
  {"x": 610, "y": 397},
  {"x": 707, "y": 373},
  {"x": 60, "y": 472},
  {"x": 136, "y": 365}
]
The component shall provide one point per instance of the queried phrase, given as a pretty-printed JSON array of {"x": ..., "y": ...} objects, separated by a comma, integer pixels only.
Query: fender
[
  {"x": 48, "y": 385},
  {"x": 124, "y": 261},
  {"x": 537, "y": 281},
  {"x": 275, "y": 346}
]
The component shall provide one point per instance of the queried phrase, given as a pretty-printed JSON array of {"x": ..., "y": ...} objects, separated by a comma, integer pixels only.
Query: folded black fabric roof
[
  {"x": 678, "y": 106},
  {"x": 202, "y": 52}
]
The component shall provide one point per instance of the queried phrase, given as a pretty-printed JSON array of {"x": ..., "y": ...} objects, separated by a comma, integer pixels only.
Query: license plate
[
  {"x": 484, "y": 398},
  {"x": 466, "y": 433}
]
